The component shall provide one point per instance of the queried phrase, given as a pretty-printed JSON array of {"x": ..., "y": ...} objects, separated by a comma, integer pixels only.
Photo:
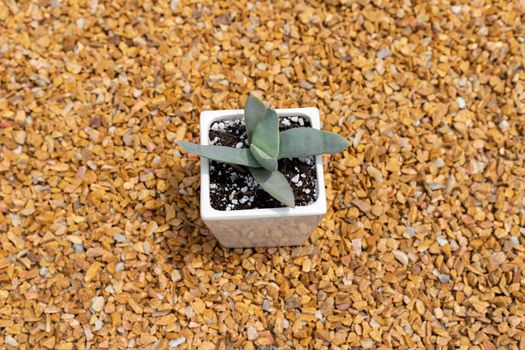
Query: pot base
[{"x": 269, "y": 232}]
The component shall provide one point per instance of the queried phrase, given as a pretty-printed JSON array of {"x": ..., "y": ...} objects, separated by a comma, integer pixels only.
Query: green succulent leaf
[
  {"x": 275, "y": 184},
  {"x": 265, "y": 160},
  {"x": 301, "y": 142},
  {"x": 266, "y": 134},
  {"x": 240, "y": 156},
  {"x": 254, "y": 110}
]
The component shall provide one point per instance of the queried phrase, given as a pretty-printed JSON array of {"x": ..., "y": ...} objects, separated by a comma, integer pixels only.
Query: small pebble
[
  {"x": 461, "y": 102},
  {"x": 444, "y": 278},
  {"x": 97, "y": 303},
  {"x": 137, "y": 93},
  {"x": 319, "y": 315},
  {"x": 146, "y": 246},
  {"x": 101, "y": 241},
  {"x": 146, "y": 176},
  {"x": 441, "y": 240},
  {"x": 176, "y": 342},
  {"x": 81, "y": 22},
  {"x": 400, "y": 256},
  {"x": 266, "y": 305},
  {"x": 439, "y": 163},
  {"x": 98, "y": 324},
  {"x": 119, "y": 266},
  {"x": 44, "y": 271},
  {"x": 188, "y": 311},
  {"x": 119, "y": 238},
  {"x": 367, "y": 344},
  {"x": 9, "y": 340},
  {"x": 384, "y": 53},
  {"x": 375, "y": 173},
  {"x": 174, "y": 4},
  {"x": 20, "y": 137},
  {"x": 252, "y": 333},
  {"x": 79, "y": 248},
  {"x": 305, "y": 85}
]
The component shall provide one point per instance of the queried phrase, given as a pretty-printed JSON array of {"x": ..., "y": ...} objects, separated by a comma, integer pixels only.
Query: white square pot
[{"x": 260, "y": 227}]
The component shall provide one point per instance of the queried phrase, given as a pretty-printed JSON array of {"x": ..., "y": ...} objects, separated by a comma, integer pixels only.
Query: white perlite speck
[{"x": 307, "y": 160}]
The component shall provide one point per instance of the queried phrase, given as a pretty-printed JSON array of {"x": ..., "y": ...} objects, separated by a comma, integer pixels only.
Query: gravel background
[{"x": 101, "y": 246}]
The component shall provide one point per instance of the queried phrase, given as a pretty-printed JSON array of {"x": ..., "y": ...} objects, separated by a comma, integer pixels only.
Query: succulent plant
[{"x": 267, "y": 146}]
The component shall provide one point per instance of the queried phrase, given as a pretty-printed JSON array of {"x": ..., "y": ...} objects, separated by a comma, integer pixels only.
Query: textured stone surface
[{"x": 101, "y": 245}]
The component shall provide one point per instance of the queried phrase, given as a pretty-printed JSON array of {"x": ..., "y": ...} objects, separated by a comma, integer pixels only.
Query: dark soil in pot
[{"x": 233, "y": 187}]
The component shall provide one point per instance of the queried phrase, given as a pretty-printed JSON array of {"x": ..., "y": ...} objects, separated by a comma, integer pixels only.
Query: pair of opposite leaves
[{"x": 268, "y": 145}]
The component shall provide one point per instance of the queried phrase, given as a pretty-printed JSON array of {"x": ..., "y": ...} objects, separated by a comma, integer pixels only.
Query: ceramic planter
[{"x": 260, "y": 227}]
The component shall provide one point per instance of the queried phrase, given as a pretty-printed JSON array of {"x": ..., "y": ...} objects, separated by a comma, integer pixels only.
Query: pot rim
[{"x": 208, "y": 213}]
